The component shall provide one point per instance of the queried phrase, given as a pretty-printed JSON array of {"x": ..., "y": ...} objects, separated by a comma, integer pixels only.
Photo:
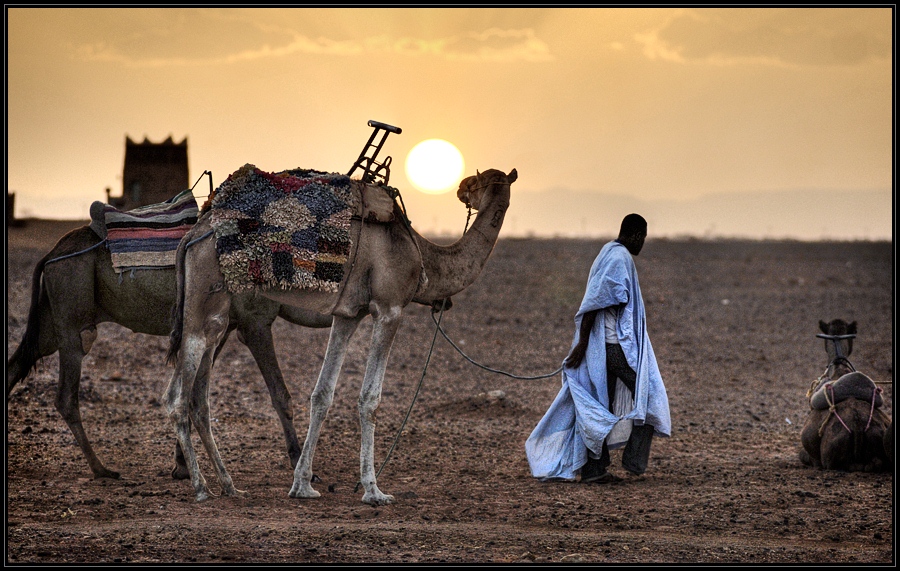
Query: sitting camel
[
  {"x": 846, "y": 426},
  {"x": 889, "y": 442},
  {"x": 75, "y": 287},
  {"x": 388, "y": 266}
]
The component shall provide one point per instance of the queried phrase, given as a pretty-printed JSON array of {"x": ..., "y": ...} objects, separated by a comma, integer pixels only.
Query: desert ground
[{"x": 733, "y": 325}]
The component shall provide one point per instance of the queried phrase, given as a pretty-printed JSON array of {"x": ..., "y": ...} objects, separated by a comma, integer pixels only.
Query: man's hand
[{"x": 577, "y": 354}]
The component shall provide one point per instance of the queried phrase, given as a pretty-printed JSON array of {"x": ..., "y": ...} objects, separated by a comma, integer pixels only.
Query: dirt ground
[{"x": 733, "y": 326}]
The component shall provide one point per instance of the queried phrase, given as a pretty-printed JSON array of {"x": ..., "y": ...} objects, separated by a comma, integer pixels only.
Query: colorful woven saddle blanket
[
  {"x": 288, "y": 230},
  {"x": 145, "y": 237}
]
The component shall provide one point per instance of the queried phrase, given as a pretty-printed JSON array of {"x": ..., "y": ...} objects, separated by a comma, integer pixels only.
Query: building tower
[{"x": 153, "y": 173}]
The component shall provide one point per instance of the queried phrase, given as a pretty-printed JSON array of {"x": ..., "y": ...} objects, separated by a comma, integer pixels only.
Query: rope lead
[{"x": 439, "y": 328}]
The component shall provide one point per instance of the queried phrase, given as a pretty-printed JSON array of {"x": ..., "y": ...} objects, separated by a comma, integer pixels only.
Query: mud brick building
[{"x": 153, "y": 173}]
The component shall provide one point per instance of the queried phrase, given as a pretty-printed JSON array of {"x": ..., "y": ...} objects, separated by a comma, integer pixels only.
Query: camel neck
[{"x": 453, "y": 267}]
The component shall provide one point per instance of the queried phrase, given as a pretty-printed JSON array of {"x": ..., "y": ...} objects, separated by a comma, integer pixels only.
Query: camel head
[
  {"x": 472, "y": 188},
  {"x": 838, "y": 327}
]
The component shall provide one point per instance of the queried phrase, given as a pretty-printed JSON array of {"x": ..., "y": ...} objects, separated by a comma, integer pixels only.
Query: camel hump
[
  {"x": 375, "y": 204},
  {"x": 98, "y": 221},
  {"x": 852, "y": 385}
]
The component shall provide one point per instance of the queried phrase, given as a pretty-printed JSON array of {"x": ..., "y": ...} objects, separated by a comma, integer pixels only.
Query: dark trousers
[{"x": 637, "y": 450}]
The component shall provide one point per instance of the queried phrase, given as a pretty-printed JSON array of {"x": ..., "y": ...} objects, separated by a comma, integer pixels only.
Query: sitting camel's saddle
[{"x": 852, "y": 385}]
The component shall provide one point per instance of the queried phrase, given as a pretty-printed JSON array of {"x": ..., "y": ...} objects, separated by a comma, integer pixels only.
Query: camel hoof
[
  {"x": 104, "y": 473},
  {"x": 807, "y": 460},
  {"x": 377, "y": 499},
  {"x": 233, "y": 492},
  {"x": 303, "y": 491}
]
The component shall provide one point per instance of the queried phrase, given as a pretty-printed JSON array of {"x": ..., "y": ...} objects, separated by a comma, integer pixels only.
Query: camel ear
[
  {"x": 823, "y": 326},
  {"x": 851, "y": 329},
  {"x": 512, "y": 176}
]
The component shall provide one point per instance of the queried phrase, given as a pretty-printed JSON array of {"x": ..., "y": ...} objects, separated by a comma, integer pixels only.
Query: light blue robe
[{"x": 579, "y": 417}]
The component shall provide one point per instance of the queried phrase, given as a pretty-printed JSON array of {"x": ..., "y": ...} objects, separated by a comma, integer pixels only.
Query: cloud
[
  {"x": 219, "y": 39},
  {"x": 495, "y": 44},
  {"x": 103, "y": 52},
  {"x": 771, "y": 37}
]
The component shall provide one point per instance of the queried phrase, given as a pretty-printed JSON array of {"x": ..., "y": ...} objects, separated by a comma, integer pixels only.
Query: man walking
[{"x": 612, "y": 393}]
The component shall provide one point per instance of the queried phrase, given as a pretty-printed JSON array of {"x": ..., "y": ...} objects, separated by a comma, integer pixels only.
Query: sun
[{"x": 434, "y": 166}]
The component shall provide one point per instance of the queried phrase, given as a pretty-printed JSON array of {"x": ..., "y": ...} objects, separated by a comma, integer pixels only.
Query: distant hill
[
  {"x": 796, "y": 215},
  {"x": 801, "y": 215}
]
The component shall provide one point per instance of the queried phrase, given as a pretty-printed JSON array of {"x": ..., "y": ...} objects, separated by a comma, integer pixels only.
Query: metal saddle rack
[
  {"x": 372, "y": 169},
  {"x": 836, "y": 339}
]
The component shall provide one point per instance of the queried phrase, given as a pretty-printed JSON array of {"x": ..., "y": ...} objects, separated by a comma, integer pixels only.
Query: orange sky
[{"x": 733, "y": 122}]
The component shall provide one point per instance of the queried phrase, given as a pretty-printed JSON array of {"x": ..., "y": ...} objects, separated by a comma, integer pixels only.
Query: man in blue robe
[{"x": 612, "y": 392}]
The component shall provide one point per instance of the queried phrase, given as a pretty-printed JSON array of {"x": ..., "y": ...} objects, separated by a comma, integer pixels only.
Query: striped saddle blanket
[{"x": 146, "y": 237}]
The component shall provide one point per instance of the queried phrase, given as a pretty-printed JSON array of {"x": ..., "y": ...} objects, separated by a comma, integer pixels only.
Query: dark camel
[
  {"x": 71, "y": 295},
  {"x": 846, "y": 426},
  {"x": 391, "y": 266}
]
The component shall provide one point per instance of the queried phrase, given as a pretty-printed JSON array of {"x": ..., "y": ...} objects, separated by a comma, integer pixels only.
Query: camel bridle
[{"x": 840, "y": 358}]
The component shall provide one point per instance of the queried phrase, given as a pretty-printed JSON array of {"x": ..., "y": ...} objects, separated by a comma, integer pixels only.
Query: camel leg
[
  {"x": 203, "y": 324},
  {"x": 200, "y": 417},
  {"x": 383, "y": 332},
  {"x": 258, "y": 339},
  {"x": 342, "y": 330},
  {"x": 66, "y": 316},
  {"x": 201, "y": 336},
  {"x": 837, "y": 447},
  {"x": 67, "y": 402},
  {"x": 810, "y": 441},
  {"x": 177, "y": 406},
  {"x": 180, "y": 471},
  {"x": 806, "y": 459}
]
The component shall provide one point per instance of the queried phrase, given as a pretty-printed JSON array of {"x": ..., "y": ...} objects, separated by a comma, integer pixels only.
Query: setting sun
[{"x": 434, "y": 166}]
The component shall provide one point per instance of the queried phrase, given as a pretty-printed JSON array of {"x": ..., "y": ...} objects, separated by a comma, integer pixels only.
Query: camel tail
[
  {"x": 27, "y": 354},
  {"x": 178, "y": 309}
]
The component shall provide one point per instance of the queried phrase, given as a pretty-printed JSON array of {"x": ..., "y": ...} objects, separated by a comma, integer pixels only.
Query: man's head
[{"x": 632, "y": 233}]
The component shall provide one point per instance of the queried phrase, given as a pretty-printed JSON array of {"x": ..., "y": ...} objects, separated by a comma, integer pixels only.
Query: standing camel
[
  {"x": 74, "y": 287},
  {"x": 846, "y": 426},
  {"x": 389, "y": 266}
]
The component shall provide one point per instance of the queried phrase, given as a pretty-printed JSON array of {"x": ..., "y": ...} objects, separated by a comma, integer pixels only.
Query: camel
[
  {"x": 846, "y": 427},
  {"x": 889, "y": 443},
  {"x": 71, "y": 294},
  {"x": 390, "y": 265}
]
